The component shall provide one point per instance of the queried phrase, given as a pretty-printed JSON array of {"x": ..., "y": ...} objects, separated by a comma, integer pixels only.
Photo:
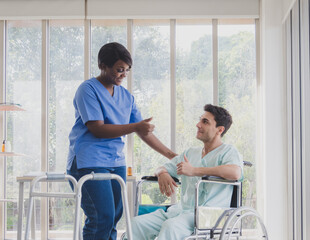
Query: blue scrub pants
[{"x": 101, "y": 202}]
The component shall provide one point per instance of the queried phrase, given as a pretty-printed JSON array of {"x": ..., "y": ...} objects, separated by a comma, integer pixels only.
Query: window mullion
[
  {"x": 87, "y": 48},
  {"x": 44, "y": 125},
  {"x": 260, "y": 164},
  {"x": 173, "y": 83},
  {"x": 2, "y": 126},
  {"x": 215, "y": 60},
  {"x": 173, "y": 91},
  {"x": 130, "y": 139}
]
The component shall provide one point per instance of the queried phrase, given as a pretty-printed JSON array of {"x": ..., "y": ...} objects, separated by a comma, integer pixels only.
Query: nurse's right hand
[{"x": 145, "y": 127}]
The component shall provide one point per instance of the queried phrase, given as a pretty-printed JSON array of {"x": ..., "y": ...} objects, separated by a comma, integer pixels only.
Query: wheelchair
[{"x": 211, "y": 222}]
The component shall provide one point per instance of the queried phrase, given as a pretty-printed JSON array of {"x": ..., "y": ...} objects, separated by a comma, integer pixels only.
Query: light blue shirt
[
  {"x": 215, "y": 195},
  {"x": 93, "y": 102}
]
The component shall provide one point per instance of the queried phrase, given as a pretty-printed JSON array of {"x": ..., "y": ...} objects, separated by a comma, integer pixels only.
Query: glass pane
[
  {"x": 237, "y": 93},
  {"x": 104, "y": 32},
  {"x": 66, "y": 74},
  {"x": 23, "y": 86},
  {"x": 194, "y": 80},
  {"x": 151, "y": 89}
]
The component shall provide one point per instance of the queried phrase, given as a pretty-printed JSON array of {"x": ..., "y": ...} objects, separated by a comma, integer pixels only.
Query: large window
[
  {"x": 194, "y": 78},
  {"x": 237, "y": 92},
  {"x": 23, "y": 85},
  {"x": 178, "y": 67},
  {"x": 102, "y": 32},
  {"x": 66, "y": 73},
  {"x": 151, "y": 87}
]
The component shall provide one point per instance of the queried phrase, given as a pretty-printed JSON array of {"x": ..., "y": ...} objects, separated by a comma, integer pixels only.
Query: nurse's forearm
[
  {"x": 157, "y": 145},
  {"x": 101, "y": 130}
]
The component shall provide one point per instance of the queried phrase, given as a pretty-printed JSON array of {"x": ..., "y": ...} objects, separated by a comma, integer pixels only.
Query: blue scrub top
[{"x": 93, "y": 102}]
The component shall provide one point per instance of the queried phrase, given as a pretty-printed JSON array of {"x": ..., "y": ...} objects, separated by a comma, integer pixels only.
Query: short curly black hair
[
  {"x": 110, "y": 53},
  {"x": 221, "y": 116}
]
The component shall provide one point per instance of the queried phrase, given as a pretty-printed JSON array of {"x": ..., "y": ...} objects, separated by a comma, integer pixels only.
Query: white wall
[{"x": 275, "y": 133}]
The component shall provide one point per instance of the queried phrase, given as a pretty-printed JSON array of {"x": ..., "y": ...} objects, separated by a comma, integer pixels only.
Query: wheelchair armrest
[
  {"x": 217, "y": 179},
  {"x": 155, "y": 179}
]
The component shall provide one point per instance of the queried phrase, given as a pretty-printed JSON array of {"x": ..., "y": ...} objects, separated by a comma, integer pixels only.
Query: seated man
[{"x": 215, "y": 158}]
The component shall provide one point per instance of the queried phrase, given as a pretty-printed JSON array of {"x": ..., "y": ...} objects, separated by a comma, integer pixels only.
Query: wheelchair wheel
[{"x": 232, "y": 228}]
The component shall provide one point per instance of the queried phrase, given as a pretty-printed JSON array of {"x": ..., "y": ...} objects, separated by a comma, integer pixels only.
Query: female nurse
[{"x": 104, "y": 113}]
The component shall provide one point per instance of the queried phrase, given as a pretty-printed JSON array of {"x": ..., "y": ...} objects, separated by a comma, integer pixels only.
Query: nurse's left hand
[{"x": 185, "y": 168}]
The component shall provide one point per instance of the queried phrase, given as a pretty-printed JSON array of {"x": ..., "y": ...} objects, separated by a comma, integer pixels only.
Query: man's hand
[
  {"x": 145, "y": 127},
  {"x": 166, "y": 184},
  {"x": 185, "y": 168}
]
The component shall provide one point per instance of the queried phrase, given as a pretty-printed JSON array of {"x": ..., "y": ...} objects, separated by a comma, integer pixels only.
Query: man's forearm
[{"x": 230, "y": 172}]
